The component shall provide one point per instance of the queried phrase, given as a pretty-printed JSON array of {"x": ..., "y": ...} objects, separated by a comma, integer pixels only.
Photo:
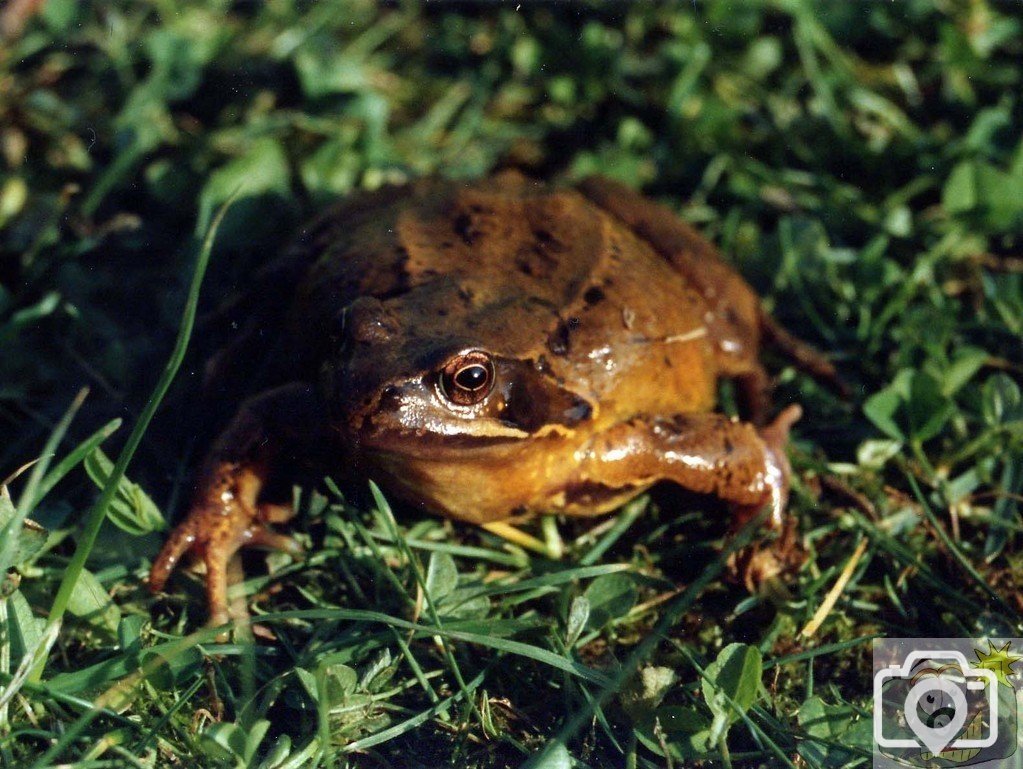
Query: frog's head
[{"x": 414, "y": 377}]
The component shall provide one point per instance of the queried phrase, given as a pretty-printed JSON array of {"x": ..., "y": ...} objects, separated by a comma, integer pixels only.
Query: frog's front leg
[
  {"x": 226, "y": 513},
  {"x": 707, "y": 453}
]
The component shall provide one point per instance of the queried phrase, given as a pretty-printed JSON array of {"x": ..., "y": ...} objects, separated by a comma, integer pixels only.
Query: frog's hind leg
[
  {"x": 806, "y": 358},
  {"x": 754, "y": 388}
]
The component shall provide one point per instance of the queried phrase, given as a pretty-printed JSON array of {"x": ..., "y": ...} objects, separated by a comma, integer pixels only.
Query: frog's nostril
[{"x": 579, "y": 411}]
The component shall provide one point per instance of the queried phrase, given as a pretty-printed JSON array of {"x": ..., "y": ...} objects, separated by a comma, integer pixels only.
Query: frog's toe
[
  {"x": 181, "y": 540},
  {"x": 776, "y": 434},
  {"x": 272, "y": 512},
  {"x": 259, "y": 535},
  {"x": 778, "y": 471},
  {"x": 216, "y": 557}
]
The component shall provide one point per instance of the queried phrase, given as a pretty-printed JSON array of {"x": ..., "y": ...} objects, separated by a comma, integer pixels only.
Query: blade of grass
[
  {"x": 646, "y": 647},
  {"x": 411, "y": 723},
  {"x": 628, "y": 516},
  {"x": 820, "y": 651},
  {"x": 952, "y": 548},
  {"x": 68, "y": 463},
  {"x": 117, "y": 697},
  {"x": 535, "y": 653},
  {"x": 385, "y": 509},
  {"x": 11, "y": 533},
  {"x": 98, "y": 513}
]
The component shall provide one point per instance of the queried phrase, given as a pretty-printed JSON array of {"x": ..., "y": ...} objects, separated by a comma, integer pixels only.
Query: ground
[{"x": 860, "y": 163}]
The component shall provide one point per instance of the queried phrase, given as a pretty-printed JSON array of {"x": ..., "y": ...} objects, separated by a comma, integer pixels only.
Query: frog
[{"x": 494, "y": 350}]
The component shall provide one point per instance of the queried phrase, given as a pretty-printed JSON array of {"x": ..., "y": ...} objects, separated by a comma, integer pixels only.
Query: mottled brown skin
[{"x": 598, "y": 322}]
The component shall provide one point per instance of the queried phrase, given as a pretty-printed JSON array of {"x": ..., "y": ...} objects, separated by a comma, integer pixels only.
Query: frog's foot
[
  {"x": 216, "y": 529},
  {"x": 212, "y": 533},
  {"x": 777, "y": 469},
  {"x": 758, "y": 567},
  {"x": 227, "y": 514}
]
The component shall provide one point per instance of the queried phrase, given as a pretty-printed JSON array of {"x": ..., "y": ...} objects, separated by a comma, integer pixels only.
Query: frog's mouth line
[{"x": 429, "y": 445}]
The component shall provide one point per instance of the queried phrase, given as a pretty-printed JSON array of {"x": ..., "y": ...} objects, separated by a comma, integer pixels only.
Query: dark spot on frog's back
[
  {"x": 466, "y": 229},
  {"x": 560, "y": 340},
  {"x": 594, "y": 295},
  {"x": 547, "y": 242}
]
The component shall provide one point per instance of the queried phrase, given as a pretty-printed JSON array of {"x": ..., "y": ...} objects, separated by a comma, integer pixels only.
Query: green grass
[{"x": 861, "y": 164}]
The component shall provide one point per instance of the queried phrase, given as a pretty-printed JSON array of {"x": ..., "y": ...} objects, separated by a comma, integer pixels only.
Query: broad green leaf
[
  {"x": 881, "y": 409},
  {"x": 609, "y": 596},
  {"x": 32, "y": 538},
  {"x": 308, "y": 681},
  {"x": 59, "y": 15},
  {"x": 912, "y": 407},
  {"x": 681, "y": 720},
  {"x": 832, "y": 724},
  {"x": 179, "y": 51},
  {"x": 578, "y": 618},
  {"x": 960, "y": 191},
  {"x": 225, "y": 742},
  {"x": 988, "y": 193},
  {"x": 966, "y": 363},
  {"x": 734, "y": 675},
  {"x": 1001, "y": 400},
  {"x": 465, "y": 603},
  {"x": 278, "y": 754},
  {"x": 131, "y": 509},
  {"x": 254, "y": 739},
  {"x": 24, "y": 628},
  {"x": 332, "y": 169},
  {"x": 324, "y": 68},
  {"x": 129, "y": 630},
  {"x": 928, "y": 408},
  {"x": 90, "y": 602},
  {"x": 553, "y": 757},
  {"x": 441, "y": 576},
  {"x": 377, "y": 673},
  {"x": 340, "y": 681}
]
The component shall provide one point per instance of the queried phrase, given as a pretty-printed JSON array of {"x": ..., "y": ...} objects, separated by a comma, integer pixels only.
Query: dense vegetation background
[{"x": 861, "y": 163}]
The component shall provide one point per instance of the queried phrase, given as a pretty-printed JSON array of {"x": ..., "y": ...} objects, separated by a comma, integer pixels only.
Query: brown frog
[{"x": 499, "y": 349}]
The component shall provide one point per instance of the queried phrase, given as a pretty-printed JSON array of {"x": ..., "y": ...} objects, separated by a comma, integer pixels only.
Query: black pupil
[{"x": 471, "y": 377}]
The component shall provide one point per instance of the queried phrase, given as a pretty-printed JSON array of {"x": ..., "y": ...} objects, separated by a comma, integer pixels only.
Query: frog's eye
[{"x": 467, "y": 379}]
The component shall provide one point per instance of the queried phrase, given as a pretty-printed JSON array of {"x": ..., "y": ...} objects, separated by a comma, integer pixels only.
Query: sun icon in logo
[{"x": 999, "y": 661}]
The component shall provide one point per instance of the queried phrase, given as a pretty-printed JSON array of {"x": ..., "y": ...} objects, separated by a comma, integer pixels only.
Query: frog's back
[{"x": 528, "y": 270}]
